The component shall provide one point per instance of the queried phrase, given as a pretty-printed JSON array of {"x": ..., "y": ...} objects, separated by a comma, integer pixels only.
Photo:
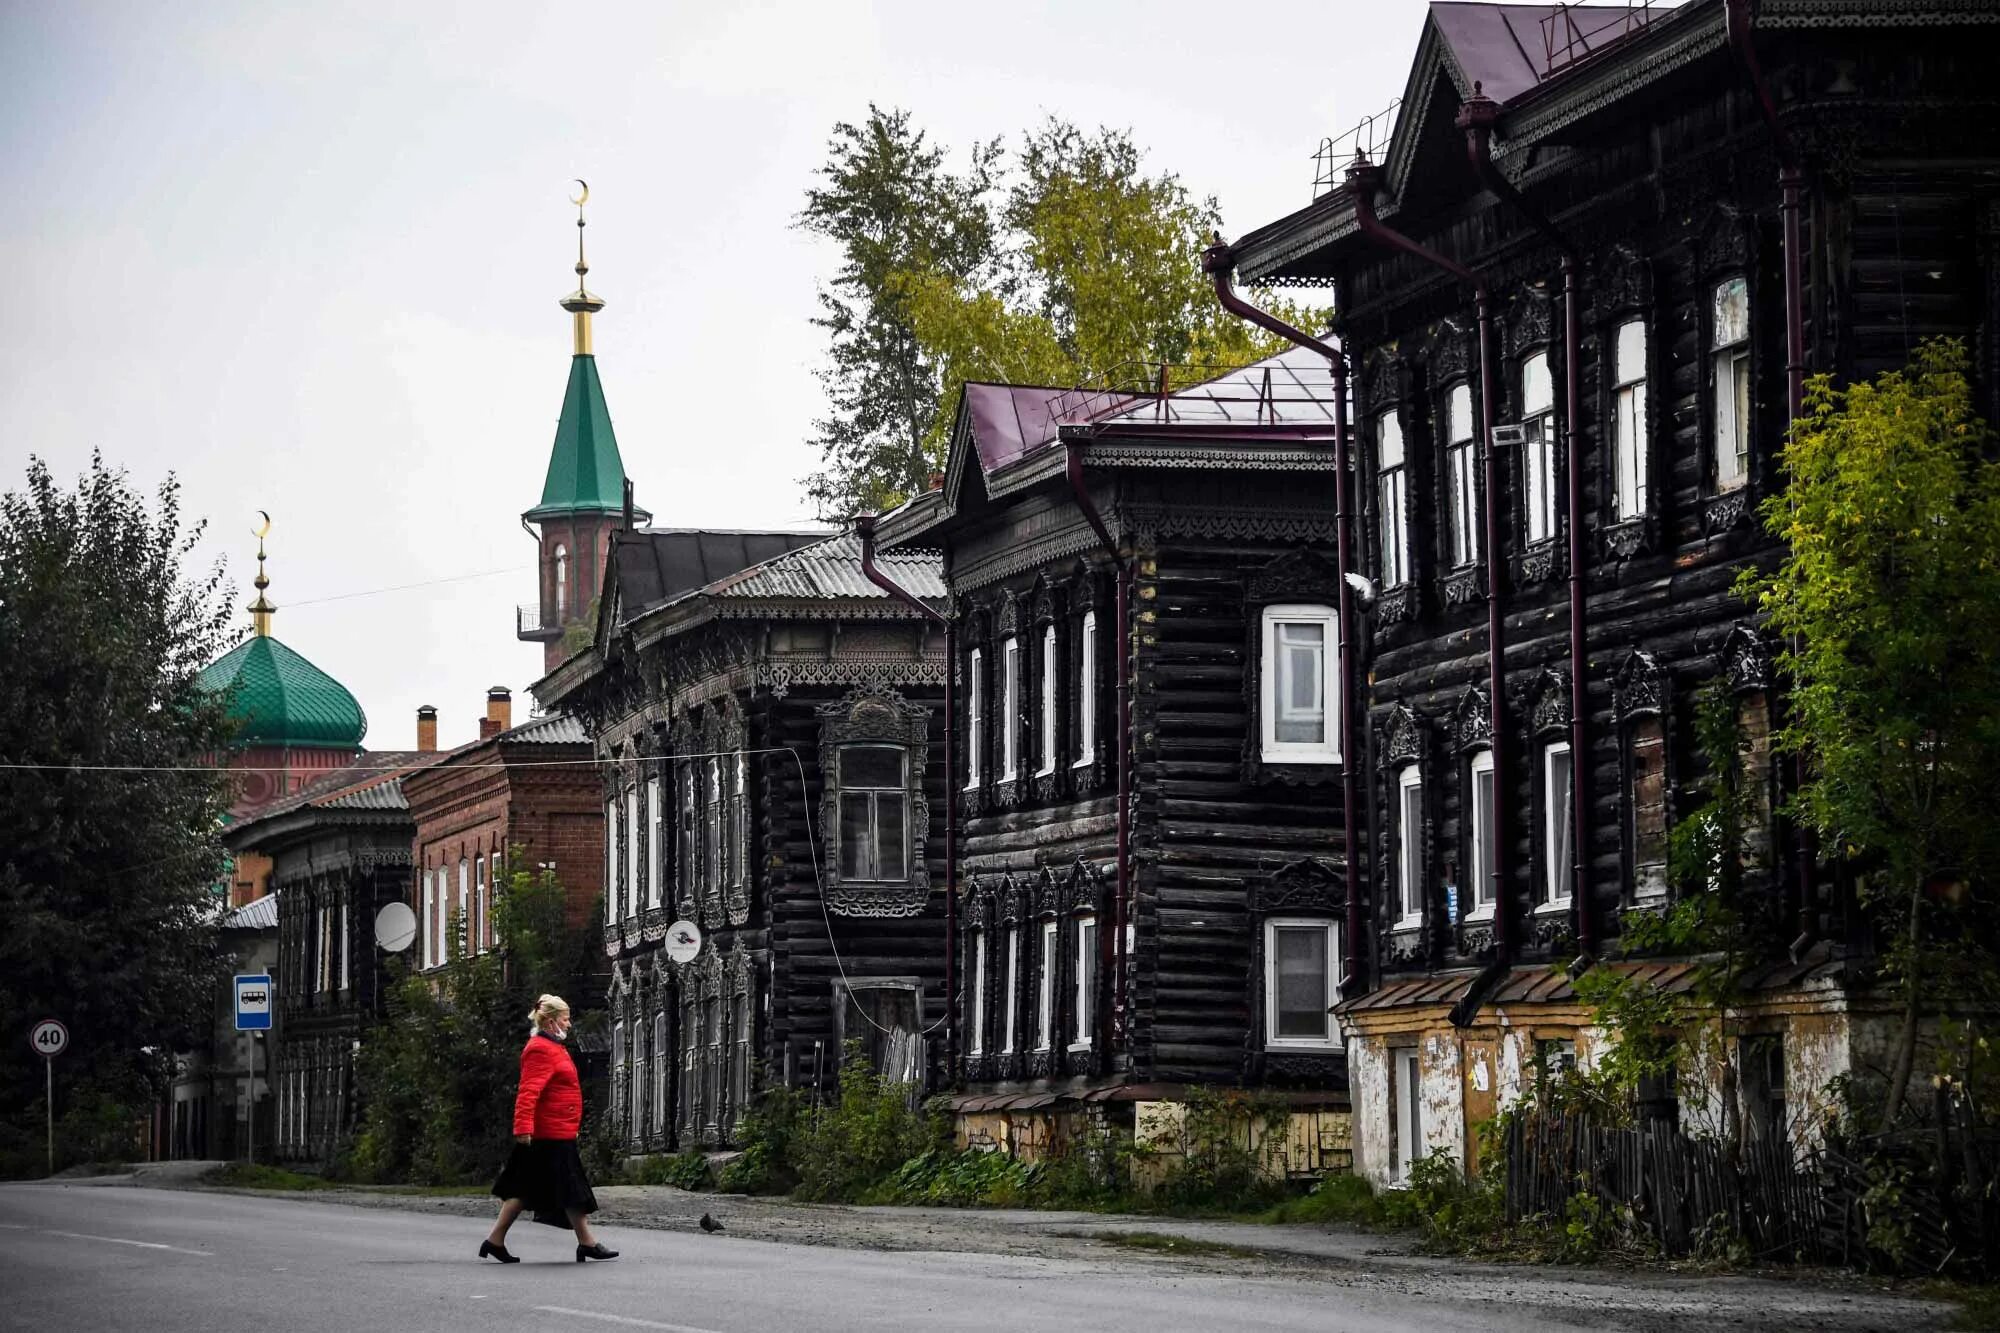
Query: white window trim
[
  {"x": 464, "y": 901},
  {"x": 1538, "y": 457},
  {"x": 1406, "y": 1076},
  {"x": 1010, "y": 709},
  {"x": 1300, "y": 752},
  {"x": 1392, "y": 490},
  {"x": 1555, "y": 888},
  {"x": 629, "y": 889},
  {"x": 977, "y": 1044},
  {"x": 974, "y": 720},
  {"x": 1629, "y": 456},
  {"x": 346, "y": 979},
  {"x": 1045, "y": 1018},
  {"x": 430, "y": 911},
  {"x": 1010, "y": 1039},
  {"x": 611, "y": 861},
  {"x": 1409, "y": 852},
  {"x": 1479, "y": 880},
  {"x": 1084, "y": 1007},
  {"x": 1333, "y": 1040},
  {"x": 1086, "y": 693},
  {"x": 655, "y": 842},
  {"x": 1462, "y": 483},
  {"x": 1048, "y": 702}
]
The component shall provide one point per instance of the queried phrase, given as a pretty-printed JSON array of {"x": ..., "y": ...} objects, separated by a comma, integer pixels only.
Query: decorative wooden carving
[
  {"x": 1746, "y": 661},
  {"x": 888, "y": 718},
  {"x": 1461, "y": 587},
  {"x": 1309, "y": 884},
  {"x": 1549, "y": 703},
  {"x": 1448, "y": 354},
  {"x": 1297, "y": 576},
  {"x": 1639, "y": 689},
  {"x": 1402, "y": 737},
  {"x": 1472, "y": 724},
  {"x": 1396, "y": 605},
  {"x": 1721, "y": 241}
]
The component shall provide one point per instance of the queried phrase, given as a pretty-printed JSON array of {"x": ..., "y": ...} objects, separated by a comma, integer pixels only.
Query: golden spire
[
  {"x": 261, "y": 610},
  {"x": 581, "y": 303}
]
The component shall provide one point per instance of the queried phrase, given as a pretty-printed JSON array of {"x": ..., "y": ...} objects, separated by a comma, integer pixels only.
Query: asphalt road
[{"x": 107, "y": 1258}]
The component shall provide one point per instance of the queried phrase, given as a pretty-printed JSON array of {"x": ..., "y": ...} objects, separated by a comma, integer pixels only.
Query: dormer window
[
  {"x": 1729, "y": 355},
  {"x": 1461, "y": 489}
]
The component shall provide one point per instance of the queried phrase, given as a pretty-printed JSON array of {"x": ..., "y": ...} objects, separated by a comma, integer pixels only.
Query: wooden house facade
[
  {"x": 1731, "y": 196},
  {"x": 768, "y": 724},
  {"x": 1151, "y": 869}
]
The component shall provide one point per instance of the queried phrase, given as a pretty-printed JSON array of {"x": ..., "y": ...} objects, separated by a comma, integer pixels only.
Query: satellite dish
[
  {"x": 395, "y": 927},
  {"x": 683, "y": 941}
]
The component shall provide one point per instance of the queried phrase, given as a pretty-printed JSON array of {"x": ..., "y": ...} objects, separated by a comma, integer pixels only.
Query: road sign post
[
  {"x": 50, "y": 1039},
  {"x": 253, "y": 1015}
]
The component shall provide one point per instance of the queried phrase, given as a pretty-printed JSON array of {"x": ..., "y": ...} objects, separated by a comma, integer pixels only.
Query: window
[
  {"x": 641, "y": 1078},
  {"x": 1729, "y": 352},
  {"x": 1483, "y": 844},
  {"x": 1045, "y": 1001},
  {"x": 1555, "y": 1056},
  {"x": 1013, "y": 988},
  {"x": 1086, "y": 980},
  {"x": 460, "y": 919},
  {"x": 739, "y": 834},
  {"x": 346, "y": 980},
  {"x": 620, "y": 1055},
  {"x": 479, "y": 908},
  {"x": 1538, "y": 458},
  {"x": 1406, "y": 1088},
  {"x": 1299, "y": 682},
  {"x": 655, "y": 839},
  {"x": 660, "y": 1062},
  {"x": 975, "y": 730},
  {"x": 874, "y": 836},
  {"x": 630, "y": 900},
  {"x": 1647, "y": 801},
  {"x": 611, "y": 862},
  {"x": 1086, "y": 691},
  {"x": 711, "y": 829},
  {"x": 1628, "y": 420},
  {"x": 977, "y": 1044},
  {"x": 1010, "y": 709},
  {"x": 430, "y": 917},
  {"x": 1409, "y": 847},
  {"x": 562, "y": 580},
  {"x": 325, "y": 950},
  {"x": 689, "y": 861},
  {"x": 1301, "y": 983},
  {"x": 1394, "y": 487},
  {"x": 1461, "y": 489},
  {"x": 1558, "y": 779},
  {"x": 1048, "y": 701}
]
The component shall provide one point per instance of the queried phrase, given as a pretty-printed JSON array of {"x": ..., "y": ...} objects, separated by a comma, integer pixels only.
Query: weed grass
[{"x": 257, "y": 1176}]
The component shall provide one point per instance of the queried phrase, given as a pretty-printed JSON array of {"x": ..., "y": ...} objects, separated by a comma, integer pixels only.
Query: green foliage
[
  {"x": 1223, "y": 1155},
  {"x": 768, "y": 1137},
  {"x": 1077, "y": 265},
  {"x": 685, "y": 1170},
  {"x": 1339, "y": 1200},
  {"x": 1889, "y": 599},
  {"x": 108, "y": 880},
  {"x": 870, "y": 1128},
  {"x": 970, "y": 1179},
  {"x": 257, "y": 1176},
  {"x": 437, "y": 1081}
]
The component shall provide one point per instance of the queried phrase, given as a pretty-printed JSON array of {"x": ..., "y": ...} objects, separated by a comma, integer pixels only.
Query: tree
[
  {"x": 1086, "y": 270},
  {"x": 888, "y": 201},
  {"x": 1889, "y": 596},
  {"x": 109, "y": 854}
]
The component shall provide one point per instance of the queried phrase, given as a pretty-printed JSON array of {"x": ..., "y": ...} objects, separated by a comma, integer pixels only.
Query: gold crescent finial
[
  {"x": 584, "y": 198},
  {"x": 262, "y": 530}
]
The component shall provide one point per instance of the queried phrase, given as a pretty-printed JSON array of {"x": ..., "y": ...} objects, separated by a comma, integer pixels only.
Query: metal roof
[
  {"x": 1509, "y": 49},
  {"x": 1552, "y": 985},
  {"x": 1294, "y": 387},
  {"x": 555, "y": 729},
  {"x": 832, "y": 568},
  {"x": 260, "y": 914},
  {"x": 586, "y": 475},
  {"x": 282, "y": 699},
  {"x": 656, "y": 565},
  {"x": 1007, "y": 422}
]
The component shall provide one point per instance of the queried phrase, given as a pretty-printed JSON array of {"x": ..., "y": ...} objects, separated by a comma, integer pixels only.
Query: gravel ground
[{"x": 1638, "y": 1298}]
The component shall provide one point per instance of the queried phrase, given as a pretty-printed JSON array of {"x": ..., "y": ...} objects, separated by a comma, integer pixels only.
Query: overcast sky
[{"x": 307, "y": 257}]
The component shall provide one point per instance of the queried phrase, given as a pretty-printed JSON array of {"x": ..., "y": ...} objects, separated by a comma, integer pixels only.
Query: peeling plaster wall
[
  {"x": 1368, "y": 1092},
  {"x": 1441, "y": 1077}
]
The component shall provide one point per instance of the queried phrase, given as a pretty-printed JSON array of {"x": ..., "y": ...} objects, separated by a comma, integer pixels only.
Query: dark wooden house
[
  {"x": 1144, "y": 607},
  {"x": 1731, "y": 195},
  {"x": 768, "y": 725}
]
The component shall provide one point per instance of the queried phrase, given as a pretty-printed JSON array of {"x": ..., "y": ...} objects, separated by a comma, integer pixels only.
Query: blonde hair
[{"x": 546, "y": 1008}]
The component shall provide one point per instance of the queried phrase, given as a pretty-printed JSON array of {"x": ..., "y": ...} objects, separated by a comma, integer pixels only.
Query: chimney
[
  {"x": 427, "y": 729},
  {"x": 499, "y": 708}
]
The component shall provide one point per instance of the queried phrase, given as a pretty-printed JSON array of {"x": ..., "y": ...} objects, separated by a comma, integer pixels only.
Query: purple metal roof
[
  {"x": 1507, "y": 48},
  {"x": 1011, "y": 421},
  {"x": 1295, "y": 387}
]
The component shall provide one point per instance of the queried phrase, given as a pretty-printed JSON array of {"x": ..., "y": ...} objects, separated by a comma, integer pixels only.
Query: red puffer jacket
[{"x": 550, "y": 1103}]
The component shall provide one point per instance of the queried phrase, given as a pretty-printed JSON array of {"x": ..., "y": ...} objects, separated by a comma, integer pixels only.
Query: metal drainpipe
[
  {"x": 1219, "y": 263},
  {"x": 1790, "y": 183},
  {"x": 864, "y": 527},
  {"x": 1111, "y": 952},
  {"x": 1362, "y": 179},
  {"x": 1476, "y": 117}
]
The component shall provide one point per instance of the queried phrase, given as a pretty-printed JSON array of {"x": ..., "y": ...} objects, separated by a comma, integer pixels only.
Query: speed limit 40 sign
[{"x": 49, "y": 1038}]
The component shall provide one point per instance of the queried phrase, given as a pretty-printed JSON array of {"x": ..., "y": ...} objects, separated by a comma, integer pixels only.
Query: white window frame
[
  {"x": 1325, "y": 751},
  {"x": 1045, "y": 1017},
  {"x": 975, "y": 720},
  {"x": 1730, "y": 363},
  {"x": 346, "y": 978},
  {"x": 1086, "y": 691},
  {"x": 562, "y": 581},
  {"x": 322, "y": 970},
  {"x": 1084, "y": 982},
  {"x": 1461, "y": 470},
  {"x": 1010, "y": 708},
  {"x": 1556, "y": 819},
  {"x": 1409, "y": 848},
  {"x": 1406, "y": 1086},
  {"x": 843, "y": 790},
  {"x": 1011, "y": 1037},
  {"x": 611, "y": 862},
  {"x": 1393, "y": 488},
  {"x": 977, "y": 1044},
  {"x": 628, "y": 898},
  {"x": 655, "y": 840},
  {"x": 662, "y": 1057},
  {"x": 1538, "y": 456},
  {"x": 1480, "y": 887},
  {"x": 430, "y": 911},
  {"x": 1332, "y": 1040},
  {"x": 1629, "y": 489},
  {"x": 464, "y": 900},
  {"x": 1048, "y": 702}
]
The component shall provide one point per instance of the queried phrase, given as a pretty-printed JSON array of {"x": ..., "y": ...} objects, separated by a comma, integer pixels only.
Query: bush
[
  {"x": 1224, "y": 1155},
  {"x": 969, "y": 1179},
  {"x": 686, "y": 1170},
  {"x": 768, "y": 1136},
  {"x": 848, "y": 1146},
  {"x": 1342, "y": 1200}
]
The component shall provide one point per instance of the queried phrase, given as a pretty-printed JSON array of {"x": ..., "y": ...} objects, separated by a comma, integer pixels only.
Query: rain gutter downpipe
[
  {"x": 1791, "y": 181},
  {"x": 864, "y": 527},
  {"x": 1477, "y": 117},
  {"x": 1363, "y": 178},
  {"x": 1218, "y": 262},
  {"x": 1111, "y": 951}
]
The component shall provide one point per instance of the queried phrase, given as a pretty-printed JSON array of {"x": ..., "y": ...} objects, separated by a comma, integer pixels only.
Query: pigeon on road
[{"x": 709, "y": 1224}]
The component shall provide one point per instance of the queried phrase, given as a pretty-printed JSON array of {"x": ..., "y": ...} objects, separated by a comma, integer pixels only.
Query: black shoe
[
  {"x": 596, "y": 1251},
  {"x": 487, "y": 1249}
]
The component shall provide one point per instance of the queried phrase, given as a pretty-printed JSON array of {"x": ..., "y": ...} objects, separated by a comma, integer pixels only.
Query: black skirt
[{"x": 547, "y": 1175}]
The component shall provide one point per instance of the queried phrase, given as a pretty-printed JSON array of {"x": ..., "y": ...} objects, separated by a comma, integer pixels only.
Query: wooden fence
[{"x": 1918, "y": 1201}]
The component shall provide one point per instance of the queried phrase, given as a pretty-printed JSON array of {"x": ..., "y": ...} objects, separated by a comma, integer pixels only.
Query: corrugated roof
[
  {"x": 1294, "y": 387},
  {"x": 555, "y": 729},
  {"x": 259, "y": 915},
  {"x": 1549, "y": 985},
  {"x": 832, "y": 568},
  {"x": 656, "y": 565}
]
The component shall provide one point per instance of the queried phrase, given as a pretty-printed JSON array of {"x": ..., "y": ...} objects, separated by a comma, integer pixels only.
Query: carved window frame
[
  {"x": 1642, "y": 697},
  {"x": 886, "y": 718},
  {"x": 1300, "y": 578},
  {"x": 1550, "y": 435},
  {"x": 1382, "y": 396},
  {"x": 1091, "y": 768},
  {"x": 1626, "y": 295},
  {"x": 1309, "y": 891}
]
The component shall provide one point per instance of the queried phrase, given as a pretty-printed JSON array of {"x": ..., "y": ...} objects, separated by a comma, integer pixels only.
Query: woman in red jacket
[{"x": 544, "y": 1174}]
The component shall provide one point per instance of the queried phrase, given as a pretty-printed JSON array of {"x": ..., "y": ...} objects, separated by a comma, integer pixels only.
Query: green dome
[{"x": 284, "y": 699}]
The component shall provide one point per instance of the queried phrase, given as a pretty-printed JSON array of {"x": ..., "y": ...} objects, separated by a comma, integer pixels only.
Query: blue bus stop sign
[{"x": 253, "y": 1003}]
